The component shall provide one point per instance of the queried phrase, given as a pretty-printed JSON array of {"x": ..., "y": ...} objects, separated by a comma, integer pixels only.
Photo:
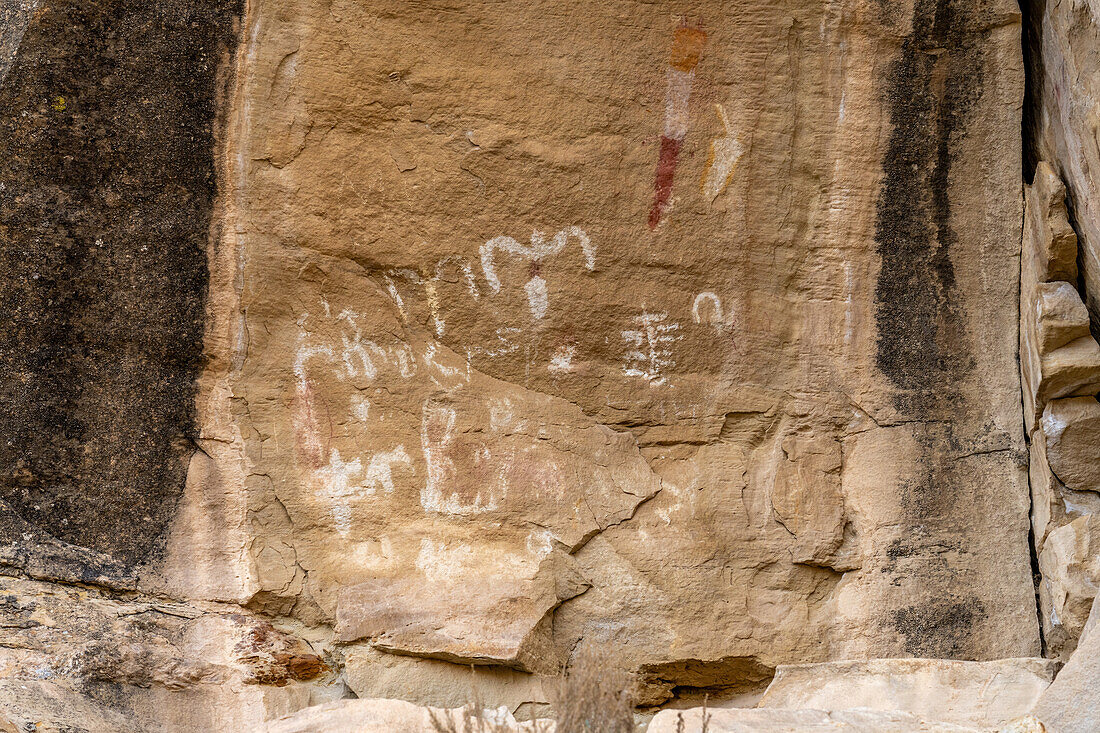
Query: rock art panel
[
  {"x": 489, "y": 386},
  {"x": 471, "y": 382}
]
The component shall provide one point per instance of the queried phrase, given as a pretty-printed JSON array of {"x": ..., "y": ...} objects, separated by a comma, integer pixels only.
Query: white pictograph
[
  {"x": 537, "y": 252},
  {"x": 649, "y": 352},
  {"x": 437, "y": 434},
  {"x": 339, "y": 482}
]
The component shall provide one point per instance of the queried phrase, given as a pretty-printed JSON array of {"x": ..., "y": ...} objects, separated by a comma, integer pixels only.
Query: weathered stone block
[
  {"x": 1070, "y": 564},
  {"x": 1060, "y": 314},
  {"x": 1072, "y": 431},
  {"x": 974, "y": 694}
]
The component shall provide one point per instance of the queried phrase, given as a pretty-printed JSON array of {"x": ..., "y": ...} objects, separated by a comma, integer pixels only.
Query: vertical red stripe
[{"x": 666, "y": 169}]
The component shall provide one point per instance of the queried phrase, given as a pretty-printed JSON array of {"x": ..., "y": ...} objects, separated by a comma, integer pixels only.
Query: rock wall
[
  {"x": 357, "y": 343},
  {"x": 707, "y": 326},
  {"x": 1061, "y": 117}
]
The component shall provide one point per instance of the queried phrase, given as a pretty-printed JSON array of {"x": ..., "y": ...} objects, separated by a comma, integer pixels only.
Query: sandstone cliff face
[
  {"x": 701, "y": 349},
  {"x": 451, "y": 333}
]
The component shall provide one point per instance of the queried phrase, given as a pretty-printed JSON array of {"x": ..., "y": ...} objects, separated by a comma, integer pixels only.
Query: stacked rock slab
[{"x": 1060, "y": 371}]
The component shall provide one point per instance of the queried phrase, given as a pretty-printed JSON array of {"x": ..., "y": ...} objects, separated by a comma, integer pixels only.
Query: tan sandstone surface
[
  {"x": 470, "y": 401},
  {"x": 1060, "y": 128},
  {"x": 724, "y": 338},
  {"x": 980, "y": 695}
]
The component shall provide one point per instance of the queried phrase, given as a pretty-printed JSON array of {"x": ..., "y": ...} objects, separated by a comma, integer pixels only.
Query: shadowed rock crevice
[{"x": 1032, "y": 12}]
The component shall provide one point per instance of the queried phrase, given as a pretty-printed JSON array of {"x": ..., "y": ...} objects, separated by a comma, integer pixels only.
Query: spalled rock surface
[
  {"x": 387, "y": 716},
  {"x": 977, "y": 694},
  {"x": 798, "y": 721},
  {"x": 1072, "y": 703},
  {"x": 1070, "y": 564}
]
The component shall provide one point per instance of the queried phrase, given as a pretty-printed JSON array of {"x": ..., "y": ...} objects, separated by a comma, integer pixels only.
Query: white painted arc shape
[{"x": 539, "y": 249}]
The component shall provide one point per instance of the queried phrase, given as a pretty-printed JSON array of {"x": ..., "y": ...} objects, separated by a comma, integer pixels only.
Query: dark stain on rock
[
  {"x": 107, "y": 187},
  {"x": 922, "y": 346},
  {"x": 941, "y": 631},
  {"x": 929, "y": 494}
]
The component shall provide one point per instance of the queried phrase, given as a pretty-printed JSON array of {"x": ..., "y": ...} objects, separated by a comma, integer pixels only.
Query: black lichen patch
[
  {"x": 107, "y": 186},
  {"x": 928, "y": 494},
  {"x": 940, "y": 630},
  {"x": 922, "y": 346}
]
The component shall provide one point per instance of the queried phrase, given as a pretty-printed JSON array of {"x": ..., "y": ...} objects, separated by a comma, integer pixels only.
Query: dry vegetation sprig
[
  {"x": 593, "y": 695},
  {"x": 681, "y": 727},
  {"x": 474, "y": 719}
]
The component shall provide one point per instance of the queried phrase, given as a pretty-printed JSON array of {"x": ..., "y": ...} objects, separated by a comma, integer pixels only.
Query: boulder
[
  {"x": 1068, "y": 371},
  {"x": 1070, "y": 564},
  {"x": 388, "y": 716},
  {"x": 1061, "y": 315},
  {"x": 1051, "y": 254},
  {"x": 975, "y": 694},
  {"x": 1072, "y": 431},
  {"x": 797, "y": 721},
  {"x": 1072, "y": 702}
]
